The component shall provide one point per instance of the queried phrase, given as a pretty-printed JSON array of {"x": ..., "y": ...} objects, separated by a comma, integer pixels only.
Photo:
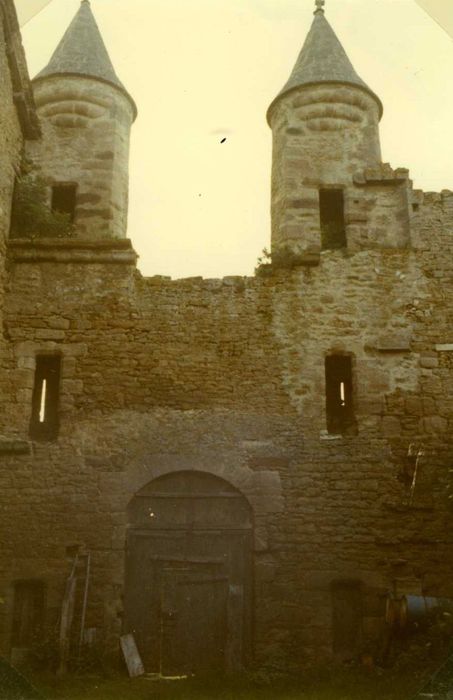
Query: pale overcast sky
[{"x": 203, "y": 70}]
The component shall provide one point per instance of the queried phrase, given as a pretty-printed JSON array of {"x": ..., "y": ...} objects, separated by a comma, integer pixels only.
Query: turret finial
[{"x": 319, "y": 6}]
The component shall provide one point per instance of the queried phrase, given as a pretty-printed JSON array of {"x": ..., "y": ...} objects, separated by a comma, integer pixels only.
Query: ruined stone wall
[
  {"x": 18, "y": 119},
  {"x": 142, "y": 392},
  {"x": 86, "y": 125},
  {"x": 227, "y": 376},
  {"x": 10, "y": 145},
  {"x": 17, "y": 122}
]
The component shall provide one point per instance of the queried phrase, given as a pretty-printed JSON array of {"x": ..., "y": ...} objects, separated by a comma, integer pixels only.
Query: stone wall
[
  {"x": 18, "y": 119},
  {"x": 227, "y": 376},
  {"x": 10, "y": 143},
  {"x": 11, "y": 134},
  {"x": 18, "y": 122}
]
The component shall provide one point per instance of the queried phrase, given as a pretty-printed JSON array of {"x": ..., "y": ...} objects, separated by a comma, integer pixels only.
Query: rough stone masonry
[{"x": 259, "y": 461}]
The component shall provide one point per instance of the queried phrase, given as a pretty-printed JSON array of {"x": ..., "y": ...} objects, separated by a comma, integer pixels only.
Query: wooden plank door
[
  {"x": 194, "y": 620},
  {"x": 188, "y": 587}
]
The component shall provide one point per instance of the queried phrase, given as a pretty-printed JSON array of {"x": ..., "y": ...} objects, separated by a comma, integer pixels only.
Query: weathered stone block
[
  {"x": 394, "y": 342},
  {"x": 429, "y": 361}
]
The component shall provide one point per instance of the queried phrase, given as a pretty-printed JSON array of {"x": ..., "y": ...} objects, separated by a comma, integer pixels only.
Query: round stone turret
[
  {"x": 325, "y": 125},
  {"x": 86, "y": 116}
]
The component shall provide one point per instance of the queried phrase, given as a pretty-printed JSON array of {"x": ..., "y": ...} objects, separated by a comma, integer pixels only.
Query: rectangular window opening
[
  {"x": 28, "y": 613},
  {"x": 347, "y": 617},
  {"x": 331, "y": 212},
  {"x": 339, "y": 393},
  {"x": 64, "y": 199},
  {"x": 45, "y": 400}
]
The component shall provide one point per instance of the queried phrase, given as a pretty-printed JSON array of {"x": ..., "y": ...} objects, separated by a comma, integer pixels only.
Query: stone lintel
[
  {"x": 394, "y": 343},
  {"x": 117, "y": 251},
  {"x": 309, "y": 259},
  {"x": 444, "y": 347},
  {"x": 404, "y": 507},
  {"x": 14, "y": 447}
]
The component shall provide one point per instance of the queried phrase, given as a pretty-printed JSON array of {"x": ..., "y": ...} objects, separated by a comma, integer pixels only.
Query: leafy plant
[
  {"x": 264, "y": 263},
  {"x": 287, "y": 258},
  {"x": 31, "y": 216},
  {"x": 283, "y": 257}
]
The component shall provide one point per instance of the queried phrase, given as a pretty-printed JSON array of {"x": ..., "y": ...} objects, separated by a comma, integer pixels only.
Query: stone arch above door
[
  {"x": 158, "y": 504},
  {"x": 262, "y": 488}
]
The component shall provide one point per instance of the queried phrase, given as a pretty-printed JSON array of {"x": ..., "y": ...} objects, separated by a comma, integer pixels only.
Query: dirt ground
[{"x": 350, "y": 685}]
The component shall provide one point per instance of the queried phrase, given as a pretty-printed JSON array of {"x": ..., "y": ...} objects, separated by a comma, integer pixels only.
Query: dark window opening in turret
[
  {"x": 339, "y": 394},
  {"x": 347, "y": 617},
  {"x": 44, "y": 421},
  {"x": 331, "y": 212},
  {"x": 28, "y": 613},
  {"x": 64, "y": 199}
]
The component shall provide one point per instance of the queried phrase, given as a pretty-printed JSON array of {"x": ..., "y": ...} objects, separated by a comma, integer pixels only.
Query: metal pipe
[{"x": 85, "y": 600}]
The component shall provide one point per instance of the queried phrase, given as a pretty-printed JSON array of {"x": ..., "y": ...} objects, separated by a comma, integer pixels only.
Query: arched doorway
[{"x": 189, "y": 574}]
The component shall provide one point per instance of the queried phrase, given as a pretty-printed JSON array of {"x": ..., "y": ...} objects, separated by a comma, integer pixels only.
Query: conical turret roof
[
  {"x": 82, "y": 52},
  {"x": 323, "y": 60}
]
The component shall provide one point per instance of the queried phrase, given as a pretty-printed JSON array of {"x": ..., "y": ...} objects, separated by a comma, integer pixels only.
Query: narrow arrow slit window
[
  {"x": 339, "y": 393},
  {"x": 46, "y": 394}
]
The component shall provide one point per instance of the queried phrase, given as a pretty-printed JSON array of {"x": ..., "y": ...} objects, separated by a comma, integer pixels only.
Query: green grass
[{"x": 333, "y": 685}]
